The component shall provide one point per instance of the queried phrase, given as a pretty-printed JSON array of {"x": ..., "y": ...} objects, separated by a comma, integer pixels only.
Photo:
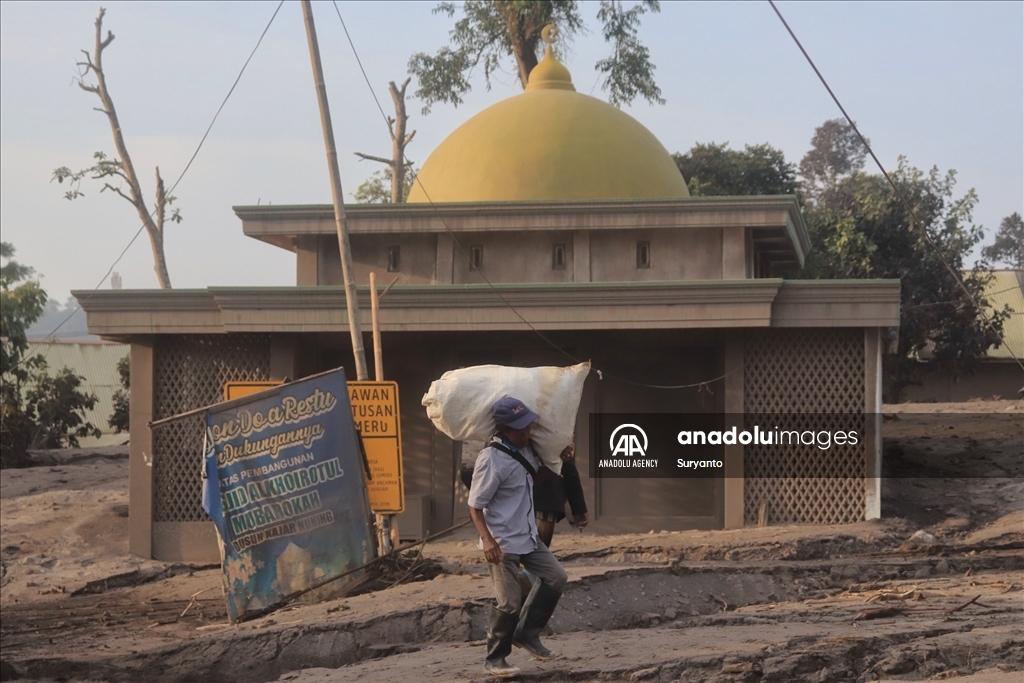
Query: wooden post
[
  {"x": 378, "y": 360},
  {"x": 386, "y": 523},
  {"x": 352, "y": 304}
]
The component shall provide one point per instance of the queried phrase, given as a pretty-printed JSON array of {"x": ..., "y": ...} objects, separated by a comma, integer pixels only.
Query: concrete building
[{"x": 548, "y": 220}]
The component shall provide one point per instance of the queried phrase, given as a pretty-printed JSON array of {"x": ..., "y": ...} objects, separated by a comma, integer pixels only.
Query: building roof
[
  {"x": 1007, "y": 289},
  {"x": 549, "y": 143},
  {"x": 778, "y": 227},
  {"x": 765, "y": 302}
]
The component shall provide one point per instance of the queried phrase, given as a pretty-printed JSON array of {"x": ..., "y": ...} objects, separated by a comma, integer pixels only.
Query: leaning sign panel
[{"x": 285, "y": 488}]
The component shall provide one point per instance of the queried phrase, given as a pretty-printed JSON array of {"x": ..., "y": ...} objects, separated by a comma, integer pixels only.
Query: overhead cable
[
  {"x": 913, "y": 214},
  {"x": 180, "y": 176}
]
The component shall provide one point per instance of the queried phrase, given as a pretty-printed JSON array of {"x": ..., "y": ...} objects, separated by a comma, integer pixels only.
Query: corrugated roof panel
[
  {"x": 94, "y": 360},
  {"x": 1005, "y": 290}
]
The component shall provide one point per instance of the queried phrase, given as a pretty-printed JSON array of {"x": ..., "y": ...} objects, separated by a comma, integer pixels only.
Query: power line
[
  {"x": 180, "y": 176},
  {"x": 601, "y": 374},
  {"x": 892, "y": 183}
]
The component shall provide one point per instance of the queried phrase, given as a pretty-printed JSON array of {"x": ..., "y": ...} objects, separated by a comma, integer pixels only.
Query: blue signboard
[{"x": 284, "y": 485}]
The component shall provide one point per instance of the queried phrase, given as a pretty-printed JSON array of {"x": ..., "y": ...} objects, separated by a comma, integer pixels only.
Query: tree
[
  {"x": 120, "y": 418},
  {"x": 120, "y": 170},
  {"x": 836, "y": 152},
  {"x": 859, "y": 228},
  {"x": 378, "y": 188},
  {"x": 1008, "y": 246},
  {"x": 22, "y": 301},
  {"x": 36, "y": 410},
  {"x": 715, "y": 170},
  {"x": 491, "y": 31},
  {"x": 56, "y": 405},
  {"x": 397, "y": 165}
]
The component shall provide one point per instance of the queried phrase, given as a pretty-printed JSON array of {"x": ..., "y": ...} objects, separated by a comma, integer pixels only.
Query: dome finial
[
  {"x": 550, "y": 74},
  {"x": 549, "y": 34}
]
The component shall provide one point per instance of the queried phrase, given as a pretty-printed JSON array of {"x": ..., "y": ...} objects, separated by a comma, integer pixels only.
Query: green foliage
[
  {"x": 120, "y": 419},
  {"x": 1008, "y": 246},
  {"x": 628, "y": 71},
  {"x": 57, "y": 405},
  {"x": 836, "y": 152},
  {"x": 716, "y": 170},
  {"x": 859, "y": 228},
  {"x": 377, "y": 188},
  {"x": 491, "y": 31},
  {"x": 36, "y": 410},
  {"x": 21, "y": 303}
]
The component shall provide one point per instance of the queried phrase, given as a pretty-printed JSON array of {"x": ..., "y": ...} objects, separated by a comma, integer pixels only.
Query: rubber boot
[
  {"x": 499, "y": 643},
  {"x": 535, "y": 615}
]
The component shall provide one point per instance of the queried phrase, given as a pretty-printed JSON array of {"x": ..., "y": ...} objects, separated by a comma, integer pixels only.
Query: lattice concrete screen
[
  {"x": 190, "y": 372},
  {"x": 810, "y": 372}
]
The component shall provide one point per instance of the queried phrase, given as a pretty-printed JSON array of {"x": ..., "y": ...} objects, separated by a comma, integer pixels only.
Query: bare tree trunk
[
  {"x": 523, "y": 35},
  {"x": 94, "y": 63},
  {"x": 399, "y": 140}
]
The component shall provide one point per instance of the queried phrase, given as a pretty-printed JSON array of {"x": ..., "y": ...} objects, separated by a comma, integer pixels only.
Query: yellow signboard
[
  {"x": 375, "y": 410},
  {"x": 233, "y": 390}
]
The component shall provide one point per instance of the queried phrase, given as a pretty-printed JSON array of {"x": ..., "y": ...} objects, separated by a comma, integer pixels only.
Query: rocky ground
[{"x": 934, "y": 590}]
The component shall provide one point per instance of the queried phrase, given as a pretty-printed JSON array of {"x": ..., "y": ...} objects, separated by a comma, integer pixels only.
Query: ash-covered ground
[{"x": 934, "y": 590}]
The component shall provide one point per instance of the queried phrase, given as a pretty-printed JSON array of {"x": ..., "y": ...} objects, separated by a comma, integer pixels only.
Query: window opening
[
  {"x": 558, "y": 257},
  {"x": 643, "y": 254},
  {"x": 476, "y": 256}
]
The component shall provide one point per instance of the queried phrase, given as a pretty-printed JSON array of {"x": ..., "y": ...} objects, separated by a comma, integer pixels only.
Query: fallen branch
[
  {"x": 194, "y": 602},
  {"x": 887, "y": 595},
  {"x": 972, "y": 601}
]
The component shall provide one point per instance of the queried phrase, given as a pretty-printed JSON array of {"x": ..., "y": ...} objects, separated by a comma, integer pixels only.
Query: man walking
[{"x": 502, "y": 510}]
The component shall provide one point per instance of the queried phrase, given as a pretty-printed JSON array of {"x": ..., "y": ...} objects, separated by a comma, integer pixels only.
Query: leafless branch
[
  {"x": 370, "y": 157},
  {"x": 113, "y": 171},
  {"x": 972, "y": 601},
  {"x": 108, "y": 186}
]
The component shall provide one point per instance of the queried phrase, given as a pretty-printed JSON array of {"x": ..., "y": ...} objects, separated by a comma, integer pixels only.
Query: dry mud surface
[{"x": 780, "y": 603}]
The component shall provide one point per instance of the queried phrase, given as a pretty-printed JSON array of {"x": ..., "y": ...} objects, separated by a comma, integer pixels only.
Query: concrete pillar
[
  {"x": 445, "y": 264},
  {"x": 581, "y": 256},
  {"x": 734, "y": 253},
  {"x": 140, "y": 458},
  {"x": 873, "y": 419},
  {"x": 734, "y": 417},
  {"x": 306, "y": 261},
  {"x": 282, "y": 358}
]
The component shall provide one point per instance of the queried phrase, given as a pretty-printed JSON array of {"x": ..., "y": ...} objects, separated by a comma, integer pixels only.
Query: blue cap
[{"x": 511, "y": 412}]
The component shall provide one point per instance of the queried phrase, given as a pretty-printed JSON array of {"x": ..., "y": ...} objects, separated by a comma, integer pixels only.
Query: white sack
[{"x": 459, "y": 404}]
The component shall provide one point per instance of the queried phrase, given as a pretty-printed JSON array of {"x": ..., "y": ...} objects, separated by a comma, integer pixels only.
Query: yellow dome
[{"x": 549, "y": 143}]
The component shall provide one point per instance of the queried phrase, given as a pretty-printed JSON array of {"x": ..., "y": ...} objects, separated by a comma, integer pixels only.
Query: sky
[{"x": 941, "y": 83}]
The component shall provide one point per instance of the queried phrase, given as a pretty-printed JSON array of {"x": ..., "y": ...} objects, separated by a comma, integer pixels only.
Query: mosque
[{"x": 547, "y": 227}]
